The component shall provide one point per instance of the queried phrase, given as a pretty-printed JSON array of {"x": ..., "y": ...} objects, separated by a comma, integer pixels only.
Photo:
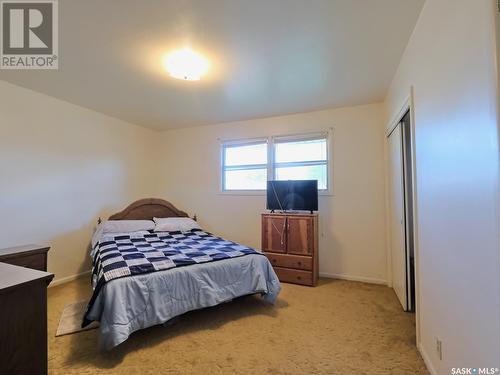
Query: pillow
[
  {"x": 125, "y": 226},
  {"x": 172, "y": 224}
]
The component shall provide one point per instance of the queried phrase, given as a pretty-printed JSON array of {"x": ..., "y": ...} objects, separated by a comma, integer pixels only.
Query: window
[
  {"x": 248, "y": 165},
  {"x": 245, "y": 166},
  {"x": 301, "y": 160}
]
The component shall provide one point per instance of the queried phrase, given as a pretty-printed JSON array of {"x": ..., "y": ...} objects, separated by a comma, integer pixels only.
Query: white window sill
[{"x": 243, "y": 192}]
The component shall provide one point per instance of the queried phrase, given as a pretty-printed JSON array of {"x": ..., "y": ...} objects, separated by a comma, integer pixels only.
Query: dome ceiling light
[{"x": 186, "y": 64}]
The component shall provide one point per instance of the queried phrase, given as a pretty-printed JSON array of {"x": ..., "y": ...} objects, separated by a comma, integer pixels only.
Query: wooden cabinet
[
  {"x": 23, "y": 317},
  {"x": 290, "y": 242},
  {"x": 23, "y": 328}
]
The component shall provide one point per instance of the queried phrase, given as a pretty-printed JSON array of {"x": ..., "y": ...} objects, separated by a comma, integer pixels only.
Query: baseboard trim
[
  {"x": 67, "y": 279},
  {"x": 362, "y": 279},
  {"x": 426, "y": 359}
]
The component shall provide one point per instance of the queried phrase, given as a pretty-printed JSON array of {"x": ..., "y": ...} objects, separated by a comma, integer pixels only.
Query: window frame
[{"x": 271, "y": 165}]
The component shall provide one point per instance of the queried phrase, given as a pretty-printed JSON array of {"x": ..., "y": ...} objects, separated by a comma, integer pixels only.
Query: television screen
[{"x": 292, "y": 195}]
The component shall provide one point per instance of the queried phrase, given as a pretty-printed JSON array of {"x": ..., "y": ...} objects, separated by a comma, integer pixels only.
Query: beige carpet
[
  {"x": 339, "y": 327},
  {"x": 72, "y": 317}
]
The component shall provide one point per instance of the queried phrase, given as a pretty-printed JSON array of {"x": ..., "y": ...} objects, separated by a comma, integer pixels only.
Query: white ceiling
[{"x": 269, "y": 57}]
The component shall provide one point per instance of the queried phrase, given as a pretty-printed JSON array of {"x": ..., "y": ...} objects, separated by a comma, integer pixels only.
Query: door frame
[{"x": 408, "y": 105}]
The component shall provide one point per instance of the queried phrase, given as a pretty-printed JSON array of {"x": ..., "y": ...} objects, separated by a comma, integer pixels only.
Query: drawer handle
[
  {"x": 274, "y": 260},
  {"x": 299, "y": 263},
  {"x": 299, "y": 278}
]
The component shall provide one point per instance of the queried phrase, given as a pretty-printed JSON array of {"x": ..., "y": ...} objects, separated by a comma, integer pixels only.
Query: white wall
[
  {"x": 450, "y": 62},
  {"x": 352, "y": 221},
  {"x": 61, "y": 167}
]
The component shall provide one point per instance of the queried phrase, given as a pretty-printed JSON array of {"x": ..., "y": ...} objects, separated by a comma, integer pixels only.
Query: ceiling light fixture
[{"x": 186, "y": 64}]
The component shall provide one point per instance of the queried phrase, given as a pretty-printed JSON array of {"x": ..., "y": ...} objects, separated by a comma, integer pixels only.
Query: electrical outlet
[{"x": 439, "y": 349}]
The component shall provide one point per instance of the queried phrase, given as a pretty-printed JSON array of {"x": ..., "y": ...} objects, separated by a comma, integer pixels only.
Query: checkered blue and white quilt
[
  {"x": 115, "y": 256},
  {"x": 132, "y": 254}
]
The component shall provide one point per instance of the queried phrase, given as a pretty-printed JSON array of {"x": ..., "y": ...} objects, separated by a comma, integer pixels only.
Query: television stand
[{"x": 290, "y": 242}]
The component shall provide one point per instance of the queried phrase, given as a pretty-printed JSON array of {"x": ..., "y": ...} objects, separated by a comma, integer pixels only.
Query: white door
[{"x": 397, "y": 214}]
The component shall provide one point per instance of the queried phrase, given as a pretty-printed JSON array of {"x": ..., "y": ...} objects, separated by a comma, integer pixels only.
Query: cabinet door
[
  {"x": 274, "y": 233},
  {"x": 300, "y": 237}
]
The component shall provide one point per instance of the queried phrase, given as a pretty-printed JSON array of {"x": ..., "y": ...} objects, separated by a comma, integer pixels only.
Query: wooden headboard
[{"x": 146, "y": 209}]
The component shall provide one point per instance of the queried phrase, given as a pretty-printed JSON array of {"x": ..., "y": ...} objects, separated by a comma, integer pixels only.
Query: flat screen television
[{"x": 298, "y": 195}]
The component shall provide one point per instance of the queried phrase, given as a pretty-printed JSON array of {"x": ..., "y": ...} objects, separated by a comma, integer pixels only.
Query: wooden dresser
[
  {"x": 290, "y": 241},
  {"x": 23, "y": 317},
  {"x": 29, "y": 256}
]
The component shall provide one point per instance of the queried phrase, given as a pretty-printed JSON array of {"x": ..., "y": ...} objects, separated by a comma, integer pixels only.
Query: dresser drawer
[
  {"x": 291, "y": 261},
  {"x": 34, "y": 261},
  {"x": 289, "y": 275}
]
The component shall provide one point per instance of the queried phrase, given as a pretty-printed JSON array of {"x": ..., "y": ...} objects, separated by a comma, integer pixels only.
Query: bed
[{"x": 129, "y": 303}]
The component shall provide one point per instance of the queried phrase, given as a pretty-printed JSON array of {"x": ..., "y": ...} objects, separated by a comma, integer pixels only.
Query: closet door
[{"x": 397, "y": 215}]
